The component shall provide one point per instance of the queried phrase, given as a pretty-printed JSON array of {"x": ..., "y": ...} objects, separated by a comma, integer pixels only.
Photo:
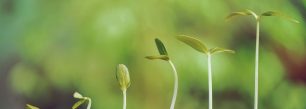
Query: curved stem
[
  {"x": 256, "y": 66},
  {"x": 175, "y": 85},
  {"x": 124, "y": 99},
  {"x": 89, "y": 104},
  {"x": 209, "y": 83}
]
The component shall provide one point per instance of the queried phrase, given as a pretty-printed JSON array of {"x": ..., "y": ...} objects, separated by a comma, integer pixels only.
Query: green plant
[
  {"x": 199, "y": 46},
  {"x": 82, "y": 100},
  {"x": 164, "y": 56},
  {"x": 258, "y": 18},
  {"x": 28, "y": 106},
  {"x": 123, "y": 77}
]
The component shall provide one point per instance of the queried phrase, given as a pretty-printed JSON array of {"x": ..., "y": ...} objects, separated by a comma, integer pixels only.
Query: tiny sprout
[
  {"x": 123, "y": 77},
  {"x": 258, "y": 17},
  {"x": 199, "y": 46},
  {"x": 164, "y": 56},
  {"x": 81, "y": 100},
  {"x": 162, "y": 51},
  {"x": 28, "y": 106}
]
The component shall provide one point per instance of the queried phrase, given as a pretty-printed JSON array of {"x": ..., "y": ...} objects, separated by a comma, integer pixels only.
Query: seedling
[
  {"x": 258, "y": 18},
  {"x": 123, "y": 77},
  {"x": 199, "y": 46},
  {"x": 28, "y": 106},
  {"x": 81, "y": 101},
  {"x": 164, "y": 56}
]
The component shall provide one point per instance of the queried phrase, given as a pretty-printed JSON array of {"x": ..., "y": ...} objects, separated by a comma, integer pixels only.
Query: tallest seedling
[
  {"x": 258, "y": 18},
  {"x": 199, "y": 46}
]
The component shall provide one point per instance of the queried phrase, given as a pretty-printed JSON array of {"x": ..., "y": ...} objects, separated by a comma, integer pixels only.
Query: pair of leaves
[
  {"x": 162, "y": 51},
  {"x": 123, "y": 77},
  {"x": 81, "y": 101},
  {"x": 28, "y": 106},
  {"x": 199, "y": 46},
  {"x": 257, "y": 17}
]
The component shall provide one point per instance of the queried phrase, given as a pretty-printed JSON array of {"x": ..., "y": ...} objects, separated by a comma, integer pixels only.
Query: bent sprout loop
[{"x": 81, "y": 101}]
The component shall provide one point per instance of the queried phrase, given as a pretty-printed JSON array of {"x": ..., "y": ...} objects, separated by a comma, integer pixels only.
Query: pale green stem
[
  {"x": 124, "y": 99},
  {"x": 210, "y": 95},
  {"x": 89, "y": 104},
  {"x": 256, "y": 66},
  {"x": 175, "y": 85}
]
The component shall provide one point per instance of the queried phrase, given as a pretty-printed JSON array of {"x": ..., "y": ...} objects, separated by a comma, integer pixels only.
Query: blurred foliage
[{"x": 50, "y": 49}]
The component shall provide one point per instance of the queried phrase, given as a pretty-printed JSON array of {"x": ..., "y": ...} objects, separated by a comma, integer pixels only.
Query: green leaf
[
  {"x": 233, "y": 14},
  {"x": 270, "y": 13},
  {"x": 242, "y": 13},
  {"x": 77, "y": 95},
  {"x": 194, "y": 43},
  {"x": 77, "y": 104},
  {"x": 220, "y": 50},
  {"x": 28, "y": 106},
  {"x": 273, "y": 13},
  {"x": 160, "y": 46},
  {"x": 162, "y": 57},
  {"x": 123, "y": 77}
]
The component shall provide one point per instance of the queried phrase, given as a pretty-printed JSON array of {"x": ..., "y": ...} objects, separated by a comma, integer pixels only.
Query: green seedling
[
  {"x": 81, "y": 101},
  {"x": 199, "y": 46},
  {"x": 28, "y": 106},
  {"x": 258, "y": 18},
  {"x": 123, "y": 77},
  {"x": 164, "y": 56}
]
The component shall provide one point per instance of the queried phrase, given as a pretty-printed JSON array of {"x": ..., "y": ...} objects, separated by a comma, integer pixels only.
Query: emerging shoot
[
  {"x": 81, "y": 101},
  {"x": 123, "y": 77},
  {"x": 28, "y": 106},
  {"x": 164, "y": 56},
  {"x": 257, "y": 18},
  {"x": 199, "y": 46}
]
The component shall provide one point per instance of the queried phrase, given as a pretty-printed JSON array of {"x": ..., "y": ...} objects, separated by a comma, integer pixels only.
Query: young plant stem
[
  {"x": 210, "y": 96},
  {"x": 256, "y": 66},
  {"x": 124, "y": 99},
  {"x": 175, "y": 85},
  {"x": 89, "y": 104},
  {"x": 199, "y": 46}
]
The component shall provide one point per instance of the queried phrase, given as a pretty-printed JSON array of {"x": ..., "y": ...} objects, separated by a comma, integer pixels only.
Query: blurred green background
[{"x": 52, "y": 48}]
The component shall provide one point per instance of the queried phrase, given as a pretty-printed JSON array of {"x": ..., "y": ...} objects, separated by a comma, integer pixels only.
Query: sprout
[
  {"x": 164, "y": 56},
  {"x": 81, "y": 100},
  {"x": 123, "y": 77},
  {"x": 199, "y": 46},
  {"x": 162, "y": 51},
  {"x": 258, "y": 17},
  {"x": 28, "y": 106}
]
